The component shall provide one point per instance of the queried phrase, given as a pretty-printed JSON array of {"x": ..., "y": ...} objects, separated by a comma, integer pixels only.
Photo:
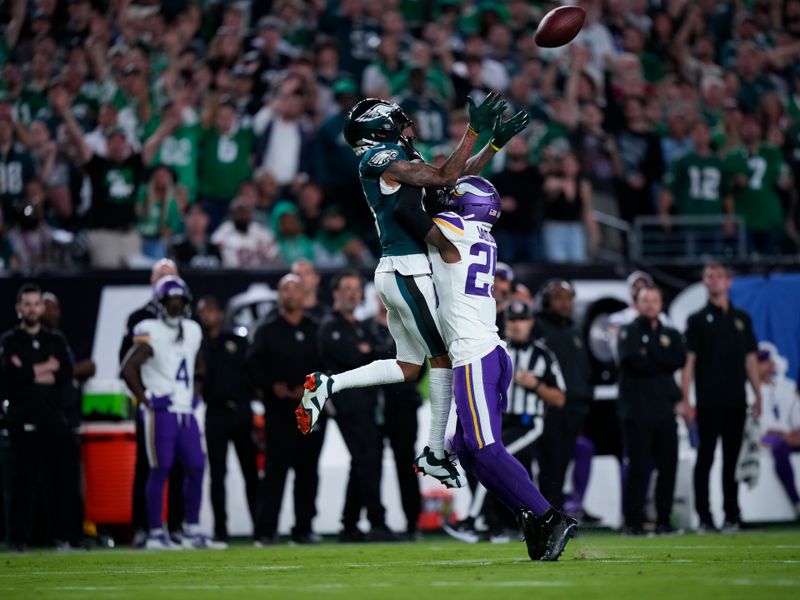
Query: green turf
[{"x": 750, "y": 565}]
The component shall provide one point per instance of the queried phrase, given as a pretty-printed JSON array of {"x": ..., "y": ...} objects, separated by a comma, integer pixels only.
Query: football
[{"x": 559, "y": 26}]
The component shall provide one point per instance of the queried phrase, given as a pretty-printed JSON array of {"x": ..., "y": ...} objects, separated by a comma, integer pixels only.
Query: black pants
[
  {"x": 714, "y": 423},
  {"x": 561, "y": 431},
  {"x": 647, "y": 443},
  {"x": 286, "y": 448},
  {"x": 41, "y": 446},
  {"x": 175, "y": 504},
  {"x": 225, "y": 425},
  {"x": 400, "y": 429},
  {"x": 356, "y": 420},
  {"x": 523, "y": 443}
]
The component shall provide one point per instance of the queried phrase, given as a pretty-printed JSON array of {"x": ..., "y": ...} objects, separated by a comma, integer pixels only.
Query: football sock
[
  {"x": 506, "y": 478},
  {"x": 154, "y": 496},
  {"x": 781, "y": 452},
  {"x": 193, "y": 494},
  {"x": 582, "y": 467},
  {"x": 378, "y": 372},
  {"x": 440, "y": 390}
]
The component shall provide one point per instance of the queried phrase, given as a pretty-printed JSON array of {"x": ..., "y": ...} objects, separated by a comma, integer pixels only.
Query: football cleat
[
  {"x": 557, "y": 532},
  {"x": 533, "y": 533},
  {"x": 160, "y": 541},
  {"x": 463, "y": 530},
  {"x": 202, "y": 542},
  {"x": 318, "y": 388},
  {"x": 443, "y": 469}
]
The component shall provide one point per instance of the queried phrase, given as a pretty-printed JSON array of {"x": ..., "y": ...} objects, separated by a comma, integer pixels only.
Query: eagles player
[
  {"x": 163, "y": 370},
  {"x": 482, "y": 367},
  {"x": 382, "y": 134}
]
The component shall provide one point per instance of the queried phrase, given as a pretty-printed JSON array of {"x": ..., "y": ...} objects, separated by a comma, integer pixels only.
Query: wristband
[
  {"x": 493, "y": 147},
  {"x": 472, "y": 131}
]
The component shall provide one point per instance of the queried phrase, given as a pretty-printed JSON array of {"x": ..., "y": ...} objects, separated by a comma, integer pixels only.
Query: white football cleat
[
  {"x": 443, "y": 469},
  {"x": 202, "y": 542},
  {"x": 160, "y": 541},
  {"x": 318, "y": 388}
]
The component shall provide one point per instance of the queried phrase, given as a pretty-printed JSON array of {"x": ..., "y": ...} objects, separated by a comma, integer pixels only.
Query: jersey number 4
[
  {"x": 485, "y": 266},
  {"x": 183, "y": 374}
]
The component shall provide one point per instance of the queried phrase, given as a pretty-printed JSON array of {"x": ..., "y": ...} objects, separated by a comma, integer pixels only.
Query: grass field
[{"x": 600, "y": 565}]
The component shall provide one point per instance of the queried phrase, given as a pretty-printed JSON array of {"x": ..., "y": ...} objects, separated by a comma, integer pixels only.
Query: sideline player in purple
[
  {"x": 482, "y": 367},
  {"x": 163, "y": 370}
]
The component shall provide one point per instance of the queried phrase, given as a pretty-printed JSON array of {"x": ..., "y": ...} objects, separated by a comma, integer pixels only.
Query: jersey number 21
[{"x": 485, "y": 266}]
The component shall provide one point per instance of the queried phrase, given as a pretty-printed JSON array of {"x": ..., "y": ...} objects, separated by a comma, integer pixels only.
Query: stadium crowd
[{"x": 210, "y": 132}]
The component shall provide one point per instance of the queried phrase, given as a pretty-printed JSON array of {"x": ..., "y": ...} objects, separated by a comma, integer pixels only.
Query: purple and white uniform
[
  {"x": 170, "y": 427},
  {"x": 482, "y": 369}
]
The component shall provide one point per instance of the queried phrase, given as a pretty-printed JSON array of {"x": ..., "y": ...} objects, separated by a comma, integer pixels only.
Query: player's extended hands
[
  {"x": 483, "y": 116},
  {"x": 505, "y": 130}
]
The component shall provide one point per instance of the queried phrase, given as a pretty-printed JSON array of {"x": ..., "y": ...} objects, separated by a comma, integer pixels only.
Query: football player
[
  {"x": 382, "y": 135},
  {"x": 482, "y": 367},
  {"x": 163, "y": 369}
]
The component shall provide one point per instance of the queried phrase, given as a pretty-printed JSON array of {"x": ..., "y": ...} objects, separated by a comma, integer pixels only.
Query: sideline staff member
[
  {"x": 649, "y": 353},
  {"x": 37, "y": 365},
  {"x": 722, "y": 358}
]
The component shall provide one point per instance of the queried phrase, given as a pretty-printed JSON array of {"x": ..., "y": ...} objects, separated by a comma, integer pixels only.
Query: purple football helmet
[
  {"x": 170, "y": 286},
  {"x": 476, "y": 199}
]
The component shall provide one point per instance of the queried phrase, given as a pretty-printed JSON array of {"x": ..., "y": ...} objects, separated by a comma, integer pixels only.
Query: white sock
[
  {"x": 156, "y": 532},
  {"x": 378, "y": 372},
  {"x": 191, "y": 529},
  {"x": 440, "y": 389}
]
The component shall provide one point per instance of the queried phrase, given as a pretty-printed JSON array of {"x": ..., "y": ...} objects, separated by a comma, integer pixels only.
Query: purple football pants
[
  {"x": 480, "y": 390},
  {"x": 166, "y": 435},
  {"x": 781, "y": 452}
]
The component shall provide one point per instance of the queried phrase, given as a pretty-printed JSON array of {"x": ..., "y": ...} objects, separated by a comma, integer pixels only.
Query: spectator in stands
[
  {"x": 16, "y": 164},
  {"x": 158, "y": 215},
  {"x": 36, "y": 364},
  {"x": 225, "y": 157},
  {"x": 649, "y": 355},
  {"x": 429, "y": 115},
  {"x": 194, "y": 249},
  {"x": 336, "y": 245},
  {"x": 502, "y": 291},
  {"x": 309, "y": 281},
  {"x": 113, "y": 239},
  {"x": 36, "y": 244},
  {"x": 519, "y": 185},
  {"x": 721, "y": 359},
  {"x": 242, "y": 242},
  {"x": 780, "y": 420},
  {"x": 284, "y": 348},
  {"x": 569, "y": 232},
  {"x": 293, "y": 244},
  {"x": 229, "y": 418},
  {"x": 759, "y": 173}
]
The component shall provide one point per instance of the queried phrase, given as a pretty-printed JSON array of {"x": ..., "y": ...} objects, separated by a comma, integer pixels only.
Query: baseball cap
[
  {"x": 636, "y": 276},
  {"x": 115, "y": 130},
  {"x": 269, "y": 22},
  {"x": 518, "y": 310}
]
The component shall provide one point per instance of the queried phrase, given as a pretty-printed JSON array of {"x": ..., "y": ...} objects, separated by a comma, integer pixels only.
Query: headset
[{"x": 550, "y": 286}]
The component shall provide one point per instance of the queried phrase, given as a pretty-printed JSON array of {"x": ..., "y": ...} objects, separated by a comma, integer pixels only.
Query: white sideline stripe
[{"x": 313, "y": 586}]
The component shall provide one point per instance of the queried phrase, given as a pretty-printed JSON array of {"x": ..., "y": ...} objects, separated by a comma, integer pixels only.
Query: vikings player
[
  {"x": 163, "y": 370},
  {"x": 482, "y": 367}
]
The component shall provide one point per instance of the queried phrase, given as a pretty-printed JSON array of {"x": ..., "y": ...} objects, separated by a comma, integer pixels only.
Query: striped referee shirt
[{"x": 536, "y": 357}]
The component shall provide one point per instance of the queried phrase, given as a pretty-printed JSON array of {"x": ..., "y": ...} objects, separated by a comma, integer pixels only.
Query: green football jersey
[
  {"x": 180, "y": 150},
  {"x": 758, "y": 202},
  {"x": 697, "y": 184},
  {"x": 224, "y": 162},
  {"x": 395, "y": 240}
]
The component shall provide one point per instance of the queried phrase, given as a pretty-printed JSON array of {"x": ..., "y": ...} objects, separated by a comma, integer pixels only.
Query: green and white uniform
[
  {"x": 758, "y": 202},
  {"x": 697, "y": 184},
  {"x": 403, "y": 276}
]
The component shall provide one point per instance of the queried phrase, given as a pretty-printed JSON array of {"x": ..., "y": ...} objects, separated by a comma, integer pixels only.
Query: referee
[{"x": 721, "y": 359}]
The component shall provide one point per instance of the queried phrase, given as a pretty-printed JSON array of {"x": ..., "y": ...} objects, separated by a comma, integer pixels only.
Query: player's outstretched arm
[
  {"x": 422, "y": 175},
  {"x": 503, "y": 132},
  {"x": 131, "y": 370}
]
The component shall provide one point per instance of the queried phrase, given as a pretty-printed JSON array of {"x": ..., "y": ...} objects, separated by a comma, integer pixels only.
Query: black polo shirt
[
  {"x": 721, "y": 341},
  {"x": 226, "y": 383}
]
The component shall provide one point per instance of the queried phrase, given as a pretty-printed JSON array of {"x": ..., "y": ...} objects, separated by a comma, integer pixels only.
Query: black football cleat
[
  {"x": 531, "y": 528},
  {"x": 557, "y": 532}
]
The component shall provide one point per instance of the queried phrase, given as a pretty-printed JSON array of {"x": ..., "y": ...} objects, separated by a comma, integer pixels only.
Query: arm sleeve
[{"x": 410, "y": 213}]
